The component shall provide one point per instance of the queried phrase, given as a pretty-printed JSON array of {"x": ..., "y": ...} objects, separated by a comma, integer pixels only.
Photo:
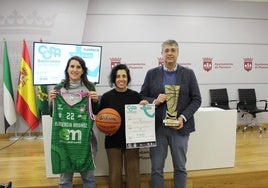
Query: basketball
[{"x": 108, "y": 121}]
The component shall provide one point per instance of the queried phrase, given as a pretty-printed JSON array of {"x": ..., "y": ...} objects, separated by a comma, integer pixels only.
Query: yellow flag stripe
[{"x": 26, "y": 88}]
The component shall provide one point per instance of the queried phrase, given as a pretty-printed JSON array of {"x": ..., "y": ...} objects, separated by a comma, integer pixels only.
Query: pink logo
[
  {"x": 207, "y": 63},
  {"x": 248, "y": 64},
  {"x": 115, "y": 61},
  {"x": 160, "y": 61}
]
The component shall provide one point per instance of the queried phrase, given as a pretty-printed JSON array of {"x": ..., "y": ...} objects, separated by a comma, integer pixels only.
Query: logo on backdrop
[
  {"x": 49, "y": 52},
  {"x": 248, "y": 64},
  {"x": 207, "y": 63},
  {"x": 131, "y": 65},
  {"x": 160, "y": 61},
  {"x": 115, "y": 61}
]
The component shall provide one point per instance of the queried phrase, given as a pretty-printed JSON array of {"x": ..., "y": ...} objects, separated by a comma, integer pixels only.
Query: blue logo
[
  {"x": 48, "y": 52},
  {"x": 131, "y": 108}
]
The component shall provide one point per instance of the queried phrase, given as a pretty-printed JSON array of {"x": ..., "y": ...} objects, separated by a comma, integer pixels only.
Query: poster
[{"x": 140, "y": 126}]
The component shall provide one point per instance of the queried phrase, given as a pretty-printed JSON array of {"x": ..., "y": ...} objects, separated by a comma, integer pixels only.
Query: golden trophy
[{"x": 172, "y": 93}]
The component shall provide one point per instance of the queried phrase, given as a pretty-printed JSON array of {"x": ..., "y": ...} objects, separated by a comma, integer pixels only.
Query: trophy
[{"x": 172, "y": 94}]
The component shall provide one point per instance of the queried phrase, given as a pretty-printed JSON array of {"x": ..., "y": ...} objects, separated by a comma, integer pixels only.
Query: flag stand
[
  {"x": 16, "y": 137},
  {"x": 29, "y": 137},
  {"x": 40, "y": 137}
]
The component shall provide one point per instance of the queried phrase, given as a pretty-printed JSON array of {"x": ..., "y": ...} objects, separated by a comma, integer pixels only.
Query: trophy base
[{"x": 170, "y": 122}]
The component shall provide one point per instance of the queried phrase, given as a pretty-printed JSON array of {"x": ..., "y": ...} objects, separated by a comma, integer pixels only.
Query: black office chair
[
  {"x": 248, "y": 104},
  {"x": 219, "y": 98},
  {"x": 6, "y": 185}
]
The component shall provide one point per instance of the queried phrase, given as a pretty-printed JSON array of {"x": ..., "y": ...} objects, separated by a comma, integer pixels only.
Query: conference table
[{"x": 211, "y": 146}]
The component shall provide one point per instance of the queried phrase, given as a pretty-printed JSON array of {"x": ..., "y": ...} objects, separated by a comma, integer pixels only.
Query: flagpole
[
  {"x": 41, "y": 104},
  {"x": 29, "y": 137},
  {"x": 16, "y": 137},
  {"x": 40, "y": 137}
]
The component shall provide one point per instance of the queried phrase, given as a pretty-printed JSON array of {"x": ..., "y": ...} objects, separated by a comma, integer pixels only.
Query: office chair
[
  {"x": 248, "y": 104},
  {"x": 6, "y": 185},
  {"x": 219, "y": 98}
]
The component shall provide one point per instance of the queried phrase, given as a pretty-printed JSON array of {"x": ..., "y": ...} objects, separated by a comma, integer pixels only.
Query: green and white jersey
[{"x": 72, "y": 123}]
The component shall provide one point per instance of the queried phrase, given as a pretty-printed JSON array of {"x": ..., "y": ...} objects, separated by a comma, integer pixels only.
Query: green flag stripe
[{"x": 7, "y": 75}]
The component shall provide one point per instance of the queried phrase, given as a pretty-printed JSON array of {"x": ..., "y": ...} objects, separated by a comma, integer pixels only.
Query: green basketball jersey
[{"x": 71, "y": 149}]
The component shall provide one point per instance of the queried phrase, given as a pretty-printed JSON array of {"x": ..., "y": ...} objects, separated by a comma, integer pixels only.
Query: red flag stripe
[{"x": 24, "y": 110}]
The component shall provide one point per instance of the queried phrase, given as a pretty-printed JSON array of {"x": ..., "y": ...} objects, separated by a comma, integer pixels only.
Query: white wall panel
[
  {"x": 225, "y": 31},
  {"x": 223, "y": 8},
  {"x": 148, "y": 28},
  {"x": 227, "y": 62}
]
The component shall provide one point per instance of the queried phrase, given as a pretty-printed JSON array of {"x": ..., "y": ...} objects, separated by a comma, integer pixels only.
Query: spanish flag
[{"x": 26, "y": 101}]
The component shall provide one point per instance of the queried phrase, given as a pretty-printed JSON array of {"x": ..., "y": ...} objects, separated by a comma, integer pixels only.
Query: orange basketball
[{"x": 108, "y": 121}]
